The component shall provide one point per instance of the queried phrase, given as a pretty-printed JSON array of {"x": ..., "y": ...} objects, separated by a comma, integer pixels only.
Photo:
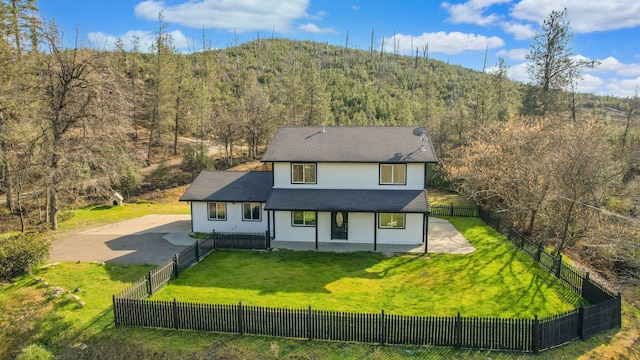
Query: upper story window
[
  {"x": 303, "y": 173},
  {"x": 393, "y": 174},
  {"x": 217, "y": 211},
  {"x": 251, "y": 211}
]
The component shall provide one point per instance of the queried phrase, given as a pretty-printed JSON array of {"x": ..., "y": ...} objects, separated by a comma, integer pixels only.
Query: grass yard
[
  {"x": 29, "y": 316},
  {"x": 92, "y": 216},
  {"x": 444, "y": 197},
  {"x": 28, "y": 312},
  {"x": 497, "y": 280}
]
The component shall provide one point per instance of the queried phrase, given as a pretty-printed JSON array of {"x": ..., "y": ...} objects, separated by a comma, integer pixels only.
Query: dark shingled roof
[
  {"x": 349, "y": 200},
  {"x": 230, "y": 186},
  {"x": 349, "y": 144}
]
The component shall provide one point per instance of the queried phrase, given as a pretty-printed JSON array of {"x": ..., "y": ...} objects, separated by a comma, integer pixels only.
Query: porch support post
[
  {"x": 316, "y": 230},
  {"x": 191, "y": 206},
  {"x": 426, "y": 231},
  {"x": 269, "y": 223},
  {"x": 274, "y": 224},
  {"x": 375, "y": 231}
]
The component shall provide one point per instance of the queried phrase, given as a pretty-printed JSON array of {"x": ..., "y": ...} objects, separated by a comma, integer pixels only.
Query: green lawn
[
  {"x": 28, "y": 316},
  {"x": 91, "y": 216},
  {"x": 497, "y": 280},
  {"x": 444, "y": 197}
]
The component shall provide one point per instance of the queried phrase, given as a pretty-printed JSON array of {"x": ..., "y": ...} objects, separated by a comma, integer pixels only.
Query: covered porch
[{"x": 443, "y": 239}]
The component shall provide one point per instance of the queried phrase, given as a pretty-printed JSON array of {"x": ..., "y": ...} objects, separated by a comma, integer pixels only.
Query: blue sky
[{"x": 455, "y": 31}]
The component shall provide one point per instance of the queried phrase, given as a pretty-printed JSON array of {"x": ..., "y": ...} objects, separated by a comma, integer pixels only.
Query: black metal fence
[
  {"x": 228, "y": 240},
  {"x": 454, "y": 210},
  {"x": 526, "y": 335}
]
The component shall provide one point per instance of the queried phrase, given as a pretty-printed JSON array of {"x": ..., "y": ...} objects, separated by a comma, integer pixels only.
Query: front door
[{"x": 339, "y": 225}]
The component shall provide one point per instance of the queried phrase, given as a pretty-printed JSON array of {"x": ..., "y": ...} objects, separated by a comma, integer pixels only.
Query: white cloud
[
  {"x": 313, "y": 28},
  {"x": 447, "y": 43},
  {"x": 623, "y": 88},
  {"x": 519, "y": 72},
  {"x": 472, "y": 12},
  {"x": 355, "y": 8},
  {"x": 585, "y": 16},
  {"x": 519, "y": 31},
  {"x": 146, "y": 39},
  {"x": 611, "y": 64},
  {"x": 590, "y": 84},
  {"x": 237, "y": 15},
  {"x": 514, "y": 54}
]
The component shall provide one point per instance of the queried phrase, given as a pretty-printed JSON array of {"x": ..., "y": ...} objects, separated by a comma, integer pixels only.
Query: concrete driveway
[{"x": 150, "y": 239}]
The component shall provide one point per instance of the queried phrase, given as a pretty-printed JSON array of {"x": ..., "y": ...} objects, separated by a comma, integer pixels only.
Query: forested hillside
[{"x": 77, "y": 123}]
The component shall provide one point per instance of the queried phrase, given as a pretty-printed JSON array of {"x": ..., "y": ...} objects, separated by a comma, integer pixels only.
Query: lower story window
[
  {"x": 217, "y": 211},
  {"x": 391, "y": 220},
  {"x": 251, "y": 211},
  {"x": 303, "y": 218}
]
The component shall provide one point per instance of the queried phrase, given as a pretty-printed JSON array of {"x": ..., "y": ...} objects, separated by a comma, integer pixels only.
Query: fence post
[
  {"x": 581, "y": 320},
  {"x": 176, "y": 267},
  {"x": 559, "y": 266},
  {"x": 521, "y": 241},
  {"x": 150, "y": 292},
  {"x": 213, "y": 237},
  {"x": 383, "y": 334},
  {"x": 115, "y": 313},
  {"x": 584, "y": 283},
  {"x": 451, "y": 210},
  {"x": 534, "y": 335},
  {"x": 458, "y": 331},
  {"x": 539, "y": 252},
  {"x": 240, "y": 319},
  {"x": 619, "y": 310},
  {"x": 309, "y": 324},
  {"x": 176, "y": 320}
]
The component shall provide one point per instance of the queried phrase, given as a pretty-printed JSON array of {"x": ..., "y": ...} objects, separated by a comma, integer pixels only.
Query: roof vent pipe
[{"x": 322, "y": 130}]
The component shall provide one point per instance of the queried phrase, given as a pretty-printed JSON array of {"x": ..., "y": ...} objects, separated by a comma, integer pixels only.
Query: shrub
[
  {"x": 20, "y": 252},
  {"x": 34, "y": 352}
]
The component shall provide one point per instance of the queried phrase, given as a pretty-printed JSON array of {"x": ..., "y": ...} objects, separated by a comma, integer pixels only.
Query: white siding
[
  {"x": 411, "y": 234},
  {"x": 324, "y": 226},
  {"x": 285, "y": 231},
  {"x": 348, "y": 176},
  {"x": 361, "y": 227},
  {"x": 234, "y": 222}
]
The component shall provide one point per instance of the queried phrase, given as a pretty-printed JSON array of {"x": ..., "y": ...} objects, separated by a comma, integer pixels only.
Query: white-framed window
[
  {"x": 217, "y": 211},
  {"x": 391, "y": 220},
  {"x": 303, "y": 173},
  {"x": 251, "y": 211},
  {"x": 393, "y": 174},
  {"x": 303, "y": 218}
]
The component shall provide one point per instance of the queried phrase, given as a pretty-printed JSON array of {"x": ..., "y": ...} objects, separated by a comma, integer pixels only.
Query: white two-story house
[{"x": 361, "y": 185}]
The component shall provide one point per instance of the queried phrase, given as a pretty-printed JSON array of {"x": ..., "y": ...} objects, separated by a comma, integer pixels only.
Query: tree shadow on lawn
[
  {"x": 517, "y": 280},
  {"x": 283, "y": 271}
]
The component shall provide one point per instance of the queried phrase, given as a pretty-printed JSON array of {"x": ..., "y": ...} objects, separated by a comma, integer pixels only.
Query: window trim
[
  {"x": 303, "y": 218},
  {"x": 252, "y": 203},
  {"x": 315, "y": 166},
  {"x": 209, "y": 211},
  {"x": 392, "y": 174},
  {"x": 404, "y": 221}
]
